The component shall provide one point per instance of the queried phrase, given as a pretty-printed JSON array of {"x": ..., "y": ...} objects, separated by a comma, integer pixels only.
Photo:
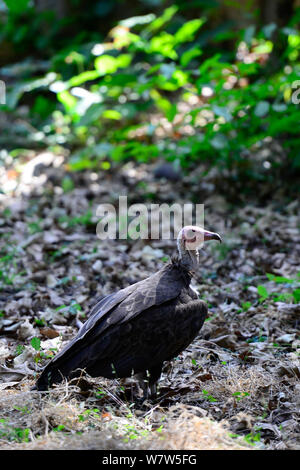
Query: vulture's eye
[{"x": 191, "y": 233}]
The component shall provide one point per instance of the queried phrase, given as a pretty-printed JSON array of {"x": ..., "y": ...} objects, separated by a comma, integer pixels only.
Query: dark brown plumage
[{"x": 134, "y": 330}]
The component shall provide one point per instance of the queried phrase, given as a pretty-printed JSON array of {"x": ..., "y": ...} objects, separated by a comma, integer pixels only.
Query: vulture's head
[{"x": 190, "y": 239}]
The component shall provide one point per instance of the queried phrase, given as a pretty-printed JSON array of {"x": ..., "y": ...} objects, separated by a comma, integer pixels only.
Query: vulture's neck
[{"x": 188, "y": 258}]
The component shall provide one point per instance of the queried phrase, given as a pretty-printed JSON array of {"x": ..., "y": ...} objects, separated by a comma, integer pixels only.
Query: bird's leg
[{"x": 153, "y": 389}]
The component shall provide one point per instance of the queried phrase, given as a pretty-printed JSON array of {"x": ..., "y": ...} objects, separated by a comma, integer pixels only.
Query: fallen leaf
[{"x": 49, "y": 332}]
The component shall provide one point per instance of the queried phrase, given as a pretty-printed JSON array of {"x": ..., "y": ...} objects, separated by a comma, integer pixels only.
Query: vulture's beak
[{"x": 212, "y": 236}]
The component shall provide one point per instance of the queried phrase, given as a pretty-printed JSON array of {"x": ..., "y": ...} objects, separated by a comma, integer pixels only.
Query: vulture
[{"x": 135, "y": 330}]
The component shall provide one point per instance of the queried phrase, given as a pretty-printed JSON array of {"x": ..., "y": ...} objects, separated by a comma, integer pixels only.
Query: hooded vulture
[{"x": 136, "y": 329}]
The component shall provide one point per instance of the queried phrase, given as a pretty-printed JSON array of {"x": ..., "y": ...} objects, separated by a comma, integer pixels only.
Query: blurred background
[{"x": 206, "y": 86}]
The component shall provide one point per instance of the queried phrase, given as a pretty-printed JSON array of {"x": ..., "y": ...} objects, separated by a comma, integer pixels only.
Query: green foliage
[
  {"x": 74, "y": 308},
  {"x": 293, "y": 296},
  {"x": 240, "y": 395},
  {"x": 95, "y": 412},
  {"x": 19, "y": 349},
  {"x": 263, "y": 293},
  {"x": 246, "y": 305},
  {"x": 100, "y": 393},
  {"x": 208, "y": 397},
  {"x": 60, "y": 427},
  {"x": 253, "y": 438}
]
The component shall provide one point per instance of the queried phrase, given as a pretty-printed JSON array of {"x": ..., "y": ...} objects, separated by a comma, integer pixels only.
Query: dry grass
[{"x": 217, "y": 405}]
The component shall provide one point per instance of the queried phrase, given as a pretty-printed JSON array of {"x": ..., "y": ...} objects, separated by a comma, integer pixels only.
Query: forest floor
[{"x": 237, "y": 386}]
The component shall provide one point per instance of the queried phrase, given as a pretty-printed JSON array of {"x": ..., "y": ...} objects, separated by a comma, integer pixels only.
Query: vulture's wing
[{"x": 124, "y": 305}]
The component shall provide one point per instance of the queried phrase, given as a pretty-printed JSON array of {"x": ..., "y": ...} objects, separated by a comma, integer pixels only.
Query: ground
[{"x": 237, "y": 386}]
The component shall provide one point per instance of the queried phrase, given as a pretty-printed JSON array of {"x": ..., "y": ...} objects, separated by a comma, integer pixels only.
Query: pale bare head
[{"x": 190, "y": 239}]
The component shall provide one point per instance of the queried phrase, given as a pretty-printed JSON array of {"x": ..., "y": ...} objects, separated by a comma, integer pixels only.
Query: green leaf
[
  {"x": 163, "y": 19},
  {"x": 189, "y": 55},
  {"x": 92, "y": 114},
  {"x": 74, "y": 308},
  {"x": 246, "y": 305},
  {"x": 164, "y": 105},
  {"x": 134, "y": 20},
  {"x": 80, "y": 160},
  {"x": 219, "y": 141},
  {"x": 249, "y": 33},
  {"x": 296, "y": 295},
  {"x": 167, "y": 70},
  {"x": 19, "y": 89},
  {"x": 83, "y": 78},
  {"x": 60, "y": 307},
  {"x": 171, "y": 112},
  {"x": 222, "y": 111},
  {"x": 279, "y": 107},
  {"x": 67, "y": 184},
  {"x": 67, "y": 100},
  {"x": 163, "y": 44},
  {"x": 36, "y": 343},
  {"x": 58, "y": 428},
  {"x": 106, "y": 64}
]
